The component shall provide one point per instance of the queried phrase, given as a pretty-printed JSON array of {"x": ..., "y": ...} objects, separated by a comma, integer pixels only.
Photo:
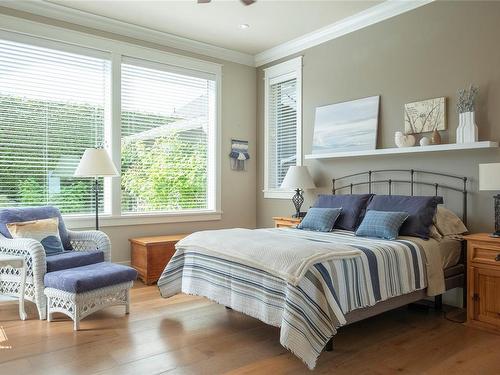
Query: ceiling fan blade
[
  {"x": 248, "y": 2},
  {"x": 203, "y": 1}
]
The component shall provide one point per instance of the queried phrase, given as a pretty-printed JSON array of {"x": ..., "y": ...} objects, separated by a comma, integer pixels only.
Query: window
[
  {"x": 52, "y": 107},
  {"x": 166, "y": 120},
  {"x": 283, "y": 134},
  {"x": 157, "y": 113}
]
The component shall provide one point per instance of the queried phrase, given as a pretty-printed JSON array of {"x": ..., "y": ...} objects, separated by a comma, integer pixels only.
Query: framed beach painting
[{"x": 347, "y": 126}]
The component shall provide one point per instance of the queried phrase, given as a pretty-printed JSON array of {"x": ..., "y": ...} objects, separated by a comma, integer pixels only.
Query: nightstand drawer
[
  {"x": 286, "y": 222},
  {"x": 485, "y": 254}
]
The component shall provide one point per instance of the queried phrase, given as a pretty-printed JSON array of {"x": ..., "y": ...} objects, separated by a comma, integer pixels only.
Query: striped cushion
[
  {"x": 381, "y": 224},
  {"x": 320, "y": 219}
]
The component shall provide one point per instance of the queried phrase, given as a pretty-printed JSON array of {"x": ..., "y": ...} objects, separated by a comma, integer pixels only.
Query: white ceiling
[{"x": 272, "y": 22}]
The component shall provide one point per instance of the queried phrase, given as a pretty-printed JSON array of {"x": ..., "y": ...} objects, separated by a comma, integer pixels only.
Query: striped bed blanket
[{"x": 310, "y": 310}]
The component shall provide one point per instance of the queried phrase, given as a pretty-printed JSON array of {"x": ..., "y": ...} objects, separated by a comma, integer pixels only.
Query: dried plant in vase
[{"x": 467, "y": 128}]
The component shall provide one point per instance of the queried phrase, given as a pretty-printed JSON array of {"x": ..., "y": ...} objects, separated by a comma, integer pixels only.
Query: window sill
[
  {"x": 88, "y": 221},
  {"x": 278, "y": 194}
]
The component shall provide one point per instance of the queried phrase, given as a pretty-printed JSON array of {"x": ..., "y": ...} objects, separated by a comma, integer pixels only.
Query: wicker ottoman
[{"x": 81, "y": 291}]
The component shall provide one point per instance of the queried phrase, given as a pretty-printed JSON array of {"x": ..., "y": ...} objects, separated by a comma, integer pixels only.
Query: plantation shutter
[
  {"x": 167, "y": 123},
  {"x": 52, "y": 107},
  {"x": 282, "y": 130}
]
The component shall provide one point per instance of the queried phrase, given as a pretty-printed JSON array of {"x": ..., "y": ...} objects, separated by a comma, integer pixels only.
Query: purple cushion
[
  {"x": 72, "y": 259},
  {"x": 353, "y": 207},
  {"x": 14, "y": 215},
  {"x": 91, "y": 277},
  {"x": 420, "y": 209}
]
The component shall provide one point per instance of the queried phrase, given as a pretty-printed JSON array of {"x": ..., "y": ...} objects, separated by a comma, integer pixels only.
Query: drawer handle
[{"x": 497, "y": 258}]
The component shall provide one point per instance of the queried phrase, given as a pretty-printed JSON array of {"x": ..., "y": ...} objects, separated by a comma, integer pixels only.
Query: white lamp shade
[
  {"x": 96, "y": 162},
  {"x": 489, "y": 176},
  {"x": 298, "y": 177}
]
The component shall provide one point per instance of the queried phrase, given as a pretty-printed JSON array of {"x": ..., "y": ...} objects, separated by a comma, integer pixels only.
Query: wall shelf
[{"x": 407, "y": 150}]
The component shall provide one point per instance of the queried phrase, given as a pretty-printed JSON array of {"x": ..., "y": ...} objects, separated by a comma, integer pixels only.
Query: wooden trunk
[{"x": 150, "y": 255}]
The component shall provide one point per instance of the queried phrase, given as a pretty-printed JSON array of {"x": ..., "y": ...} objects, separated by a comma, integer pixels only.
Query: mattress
[{"x": 450, "y": 251}]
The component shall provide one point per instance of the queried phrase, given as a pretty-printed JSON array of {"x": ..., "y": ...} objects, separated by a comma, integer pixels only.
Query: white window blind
[
  {"x": 52, "y": 107},
  {"x": 167, "y": 121},
  {"x": 282, "y": 130}
]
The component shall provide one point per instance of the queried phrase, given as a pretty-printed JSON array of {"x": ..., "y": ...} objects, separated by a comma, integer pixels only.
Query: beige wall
[
  {"x": 430, "y": 52},
  {"x": 238, "y": 121}
]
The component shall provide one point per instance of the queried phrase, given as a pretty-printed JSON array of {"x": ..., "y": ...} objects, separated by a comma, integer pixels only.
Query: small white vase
[
  {"x": 467, "y": 128},
  {"x": 425, "y": 141}
]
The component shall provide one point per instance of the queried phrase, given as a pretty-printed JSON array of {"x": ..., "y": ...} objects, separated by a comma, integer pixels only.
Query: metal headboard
[{"x": 461, "y": 183}]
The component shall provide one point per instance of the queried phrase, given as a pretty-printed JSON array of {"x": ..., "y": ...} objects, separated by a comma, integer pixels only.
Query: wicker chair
[{"x": 34, "y": 254}]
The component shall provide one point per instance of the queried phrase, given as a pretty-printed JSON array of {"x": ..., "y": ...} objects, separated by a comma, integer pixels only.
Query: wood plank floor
[{"x": 190, "y": 335}]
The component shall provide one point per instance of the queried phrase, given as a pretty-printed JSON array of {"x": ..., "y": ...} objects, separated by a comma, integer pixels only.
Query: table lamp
[
  {"x": 299, "y": 179},
  {"x": 489, "y": 179},
  {"x": 96, "y": 163}
]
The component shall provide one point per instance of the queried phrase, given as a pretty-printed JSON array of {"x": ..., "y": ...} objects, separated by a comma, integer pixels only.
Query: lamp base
[
  {"x": 495, "y": 235},
  {"x": 299, "y": 215},
  {"x": 297, "y": 200}
]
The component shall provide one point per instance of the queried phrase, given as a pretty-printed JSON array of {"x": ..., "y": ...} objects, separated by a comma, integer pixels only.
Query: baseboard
[{"x": 125, "y": 262}]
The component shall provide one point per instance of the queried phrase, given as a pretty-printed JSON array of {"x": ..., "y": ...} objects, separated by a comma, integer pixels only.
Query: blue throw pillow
[
  {"x": 320, "y": 219},
  {"x": 381, "y": 224}
]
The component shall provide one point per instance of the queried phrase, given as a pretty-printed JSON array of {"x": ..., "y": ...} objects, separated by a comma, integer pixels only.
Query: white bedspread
[{"x": 267, "y": 250}]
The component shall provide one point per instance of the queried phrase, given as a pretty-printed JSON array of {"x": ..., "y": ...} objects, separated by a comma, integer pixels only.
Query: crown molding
[
  {"x": 86, "y": 19},
  {"x": 370, "y": 16}
]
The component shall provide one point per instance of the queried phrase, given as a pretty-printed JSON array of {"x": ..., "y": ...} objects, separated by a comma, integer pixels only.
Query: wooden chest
[{"x": 150, "y": 255}]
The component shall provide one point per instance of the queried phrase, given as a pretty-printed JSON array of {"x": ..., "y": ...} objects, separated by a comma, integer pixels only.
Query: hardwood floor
[{"x": 190, "y": 335}]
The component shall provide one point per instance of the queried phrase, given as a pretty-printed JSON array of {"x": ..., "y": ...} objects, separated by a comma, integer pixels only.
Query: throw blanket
[
  {"x": 266, "y": 250},
  {"x": 359, "y": 273}
]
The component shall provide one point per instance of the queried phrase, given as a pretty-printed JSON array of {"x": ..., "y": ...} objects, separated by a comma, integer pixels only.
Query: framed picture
[
  {"x": 425, "y": 116},
  {"x": 347, "y": 126}
]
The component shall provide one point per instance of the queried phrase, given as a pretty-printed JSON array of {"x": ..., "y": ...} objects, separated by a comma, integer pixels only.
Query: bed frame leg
[
  {"x": 438, "y": 302},
  {"x": 329, "y": 346}
]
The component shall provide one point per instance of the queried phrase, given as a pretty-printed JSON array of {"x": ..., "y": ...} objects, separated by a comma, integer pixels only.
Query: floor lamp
[{"x": 96, "y": 163}]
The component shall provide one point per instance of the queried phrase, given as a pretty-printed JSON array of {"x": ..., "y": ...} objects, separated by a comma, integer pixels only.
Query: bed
[{"x": 308, "y": 283}]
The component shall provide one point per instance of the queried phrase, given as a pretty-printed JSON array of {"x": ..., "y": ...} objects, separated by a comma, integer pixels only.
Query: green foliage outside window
[{"x": 42, "y": 141}]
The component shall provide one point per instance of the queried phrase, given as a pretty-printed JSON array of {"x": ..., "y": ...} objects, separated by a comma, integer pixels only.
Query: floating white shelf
[{"x": 407, "y": 150}]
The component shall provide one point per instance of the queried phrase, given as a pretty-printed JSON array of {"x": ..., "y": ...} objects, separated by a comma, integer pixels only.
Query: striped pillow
[
  {"x": 381, "y": 224},
  {"x": 320, "y": 219}
]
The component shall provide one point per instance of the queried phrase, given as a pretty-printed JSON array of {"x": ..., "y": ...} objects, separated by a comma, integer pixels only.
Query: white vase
[{"x": 467, "y": 128}]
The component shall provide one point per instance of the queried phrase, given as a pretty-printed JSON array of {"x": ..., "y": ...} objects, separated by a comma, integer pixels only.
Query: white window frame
[
  {"x": 279, "y": 73},
  {"x": 25, "y": 31}
]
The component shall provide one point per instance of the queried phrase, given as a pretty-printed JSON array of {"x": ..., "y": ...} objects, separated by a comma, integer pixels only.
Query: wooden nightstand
[
  {"x": 284, "y": 221},
  {"x": 150, "y": 255},
  {"x": 483, "y": 281}
]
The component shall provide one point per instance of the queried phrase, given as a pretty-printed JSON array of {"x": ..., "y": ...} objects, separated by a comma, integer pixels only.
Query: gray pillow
[{"x": 420, "y": 209}]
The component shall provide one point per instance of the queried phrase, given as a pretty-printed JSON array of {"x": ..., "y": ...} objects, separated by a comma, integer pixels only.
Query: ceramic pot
[
  {"x": 425, "y": 141},
  {"x": 436, "y": 138}
]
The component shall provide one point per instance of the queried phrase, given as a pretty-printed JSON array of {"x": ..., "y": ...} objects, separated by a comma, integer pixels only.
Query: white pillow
[{"x": 46, "y": 231}]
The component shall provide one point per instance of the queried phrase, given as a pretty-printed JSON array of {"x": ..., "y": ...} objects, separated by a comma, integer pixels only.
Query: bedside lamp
[
  {"x": 489, "y": 179},
  {"x": 299, "y": 179},
  {"x": 96, "y": 163}
]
